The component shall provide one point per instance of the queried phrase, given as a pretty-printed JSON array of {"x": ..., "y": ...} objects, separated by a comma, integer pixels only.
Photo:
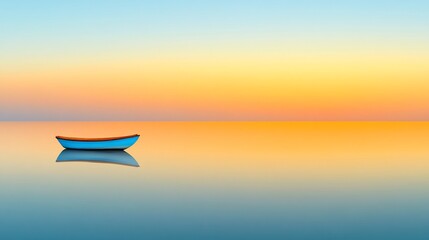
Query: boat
[
  {"x": 108, "y": 143},
  {"x": 109, "y": 156}
]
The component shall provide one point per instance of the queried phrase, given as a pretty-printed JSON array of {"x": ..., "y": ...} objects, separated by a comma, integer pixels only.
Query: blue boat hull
[{"x": 117, "y": 144}]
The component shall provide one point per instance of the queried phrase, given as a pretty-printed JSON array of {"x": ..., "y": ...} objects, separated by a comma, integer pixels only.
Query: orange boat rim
[{"x": 96, "y": 139}]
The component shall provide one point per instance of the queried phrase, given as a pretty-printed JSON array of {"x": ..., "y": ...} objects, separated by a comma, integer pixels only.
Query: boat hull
[{"x": 115, "y": 144}]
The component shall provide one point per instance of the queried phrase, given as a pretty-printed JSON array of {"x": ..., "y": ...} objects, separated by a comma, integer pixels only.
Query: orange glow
[
  {"x": 291, "y": 87},
  {"x": 354, "y": 152}
]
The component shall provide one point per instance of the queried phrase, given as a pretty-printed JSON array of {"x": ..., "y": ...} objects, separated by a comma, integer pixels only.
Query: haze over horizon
[{"x": 214, "y": 61}]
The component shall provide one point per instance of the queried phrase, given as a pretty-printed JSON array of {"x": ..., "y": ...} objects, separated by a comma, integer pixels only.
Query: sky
[{"x": 219, "y": 60}]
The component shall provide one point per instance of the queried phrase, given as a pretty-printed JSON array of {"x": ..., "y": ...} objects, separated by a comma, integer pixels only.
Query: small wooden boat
[
  {"x": 109, "y": 156},
  {"x": 109, "y": 143}
]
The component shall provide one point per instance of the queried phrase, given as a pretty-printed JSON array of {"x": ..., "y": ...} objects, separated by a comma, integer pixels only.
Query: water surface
[{"x": 219, "y": 181}]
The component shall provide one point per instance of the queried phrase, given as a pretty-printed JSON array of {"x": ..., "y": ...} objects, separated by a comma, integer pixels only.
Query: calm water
[{"x": 219, "y": 181}]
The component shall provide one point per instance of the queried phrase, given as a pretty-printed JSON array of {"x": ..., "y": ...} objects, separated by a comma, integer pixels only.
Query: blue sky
[{"x": 54, "y": 34}]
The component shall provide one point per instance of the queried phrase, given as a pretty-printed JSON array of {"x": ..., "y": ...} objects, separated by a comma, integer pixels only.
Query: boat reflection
[{"x": 105, "y": 156}]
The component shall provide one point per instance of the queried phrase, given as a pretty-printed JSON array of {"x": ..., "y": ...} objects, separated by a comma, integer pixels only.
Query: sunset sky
[{"x": 214, "y": 60}]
